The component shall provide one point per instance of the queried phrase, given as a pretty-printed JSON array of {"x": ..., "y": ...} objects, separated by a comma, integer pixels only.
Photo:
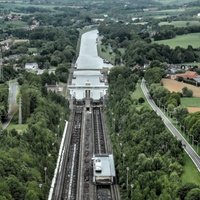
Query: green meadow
[
  {"x": 190, "y": 102},
  {"x": 174, "y": 1},
  {"x": 183, "y": 41},
  {"x": 181, "y": 23},
  {"x": 190, "y": 172}
]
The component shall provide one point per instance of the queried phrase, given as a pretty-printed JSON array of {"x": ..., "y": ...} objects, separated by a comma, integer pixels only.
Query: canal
[{"x": 88, "y": 69}]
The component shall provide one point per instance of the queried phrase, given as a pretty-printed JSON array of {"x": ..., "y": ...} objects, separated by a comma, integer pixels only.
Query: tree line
[
  {"x": 169, "y": 32},
  {"x": 139, "y": 49},
  {"x": 24, "y": 156},
  {"x": 171, "y": 101},
  {"x": 3, "y": 102},
  {"x": 147, "y": 157},
  {"x": 55, "y": 47}
]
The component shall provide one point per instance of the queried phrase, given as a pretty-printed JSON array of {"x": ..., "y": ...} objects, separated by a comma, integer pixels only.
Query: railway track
[
  {"x": 103, "y": 192},
  {"x": 87, "y": 157},
  {"x": 86, "y": 137},
  {"x": 69, "y": 191},
  {"x": 99, "y": 139}
]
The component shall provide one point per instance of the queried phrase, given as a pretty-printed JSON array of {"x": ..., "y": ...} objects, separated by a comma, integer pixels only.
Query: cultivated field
[
  {"x": 193, "y": 109},
  {"x": 183, "y": 41},
  {"x": 174, "y": 1},
  {"x": 181, "y": 23},
  {"x": 176, "y": 86},
  {"x": 190, "y": 102}
]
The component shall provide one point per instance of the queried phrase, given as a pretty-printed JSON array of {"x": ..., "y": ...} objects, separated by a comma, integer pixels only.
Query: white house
[{"x": 31, "y": 66}]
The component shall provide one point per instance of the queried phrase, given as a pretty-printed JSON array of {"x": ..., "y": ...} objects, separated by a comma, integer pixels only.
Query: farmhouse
[{"x": 186, "y": 75}]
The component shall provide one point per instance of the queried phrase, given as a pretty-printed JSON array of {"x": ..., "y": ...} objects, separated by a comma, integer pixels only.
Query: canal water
[{"x": 88, "y": 66}]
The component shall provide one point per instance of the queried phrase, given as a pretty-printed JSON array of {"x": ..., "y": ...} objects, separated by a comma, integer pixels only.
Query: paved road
[
  {"x": 12, "y": 101},
  {"x": 188, "y": 149}
]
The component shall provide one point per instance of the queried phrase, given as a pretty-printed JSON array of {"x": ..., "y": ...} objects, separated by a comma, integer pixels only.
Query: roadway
[
  {"x": 187, "y": 147},
  {"x": 12, "y": 101}
]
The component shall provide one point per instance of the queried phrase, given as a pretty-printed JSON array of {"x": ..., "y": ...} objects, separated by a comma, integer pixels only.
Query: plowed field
[
  {"x": 175, "y": 86},
  {"x": 193, "y": 109}
]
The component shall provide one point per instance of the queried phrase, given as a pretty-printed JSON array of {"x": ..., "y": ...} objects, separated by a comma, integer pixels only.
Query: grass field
[
  {"x": 106, "y": 53},
  {"x": 181, "y": 23},
  {"x": 183, "y": 41},
  {"x": 190, "y": 102},
  {"x": 137, "y": 94},
  {"x": 174, "y": 1},
  {"x": 171, "y": 11},
  {"x": 32, "y": 50},
  {"x": 193, "y": 64},
  {"x": 190, "y": 174},
  {"x": 11, "y": 5},
  {"x": 159, "y": 16},
  {"x": 13, "y": 24},
  {"x": 19, "y": 127}
]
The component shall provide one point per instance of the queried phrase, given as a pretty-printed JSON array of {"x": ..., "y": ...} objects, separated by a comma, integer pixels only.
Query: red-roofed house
[{"x": 186, "y": 75}]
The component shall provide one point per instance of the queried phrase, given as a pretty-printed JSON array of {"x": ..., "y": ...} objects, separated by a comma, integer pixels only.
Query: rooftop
[
  {"x": 188, "y": 74},
  {"x": 104, "y": 165}
]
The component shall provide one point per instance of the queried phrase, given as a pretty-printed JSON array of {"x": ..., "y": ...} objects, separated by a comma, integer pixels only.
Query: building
[
  {"x": 54, "y": 88},
  {"x": 187, "y": 75},
  {"x": 31, "y": 66},
  {"x": 103, "y": 169}
]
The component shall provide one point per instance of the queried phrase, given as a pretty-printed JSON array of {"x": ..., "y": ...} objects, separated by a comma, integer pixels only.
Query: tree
[
  {"x": 180, "y": 113},
  {"x": 16, "y": 188},
  {"x": 31, "y": 195},
  {"x": 62, "y": 72},
  {"x": 193, "y": 194},
  {"x": 187, "y": 92},
  {"x": 195, "y": 130},
  {"x": 184, "y": 189},
  {"x": 29, "y": 100},
  {"x": 4, "y": 191},
  {"x": 153, "y": 75}
]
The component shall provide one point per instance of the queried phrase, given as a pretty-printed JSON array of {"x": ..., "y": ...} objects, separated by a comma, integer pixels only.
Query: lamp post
[
  {"x": 164, "y": 109},
  {"x": 114, "y": 124},
  {"x": 192, "y": 139},
  {"x": 120, "y": 144},
  {"x": 127, "y": 169},
  {"x": 132, "y": 191},
  {"x": 40, "y": 185},
  {"x": 167, "y": 111},
  {"x": 123, "y": 156},
  {"x": 197, "y": 143},
  {"x": 45, "y": 174}
]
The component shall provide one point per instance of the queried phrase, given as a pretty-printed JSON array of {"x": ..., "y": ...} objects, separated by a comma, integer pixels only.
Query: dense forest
[
  {"x": 139, "y": 48},
  {"x": 3, "y": 102},
  {"x": 171, "y": 101},
  {"x": 148, "y": 152},
  {"x": 28, "y": 156},
  {"x": 24, "y": 157},
  {"x": 149, "y": 161}
]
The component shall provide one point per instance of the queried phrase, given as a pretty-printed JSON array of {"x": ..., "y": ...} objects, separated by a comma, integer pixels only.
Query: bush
[
  {"x": 187, "y": 92},
  {"x": 141, "y": 100}
]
